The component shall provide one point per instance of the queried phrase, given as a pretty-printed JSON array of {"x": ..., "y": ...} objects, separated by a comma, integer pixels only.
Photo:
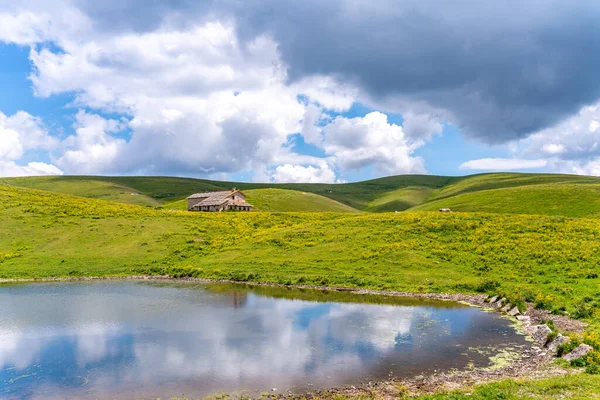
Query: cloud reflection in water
[{"x": 134, "y": 339}]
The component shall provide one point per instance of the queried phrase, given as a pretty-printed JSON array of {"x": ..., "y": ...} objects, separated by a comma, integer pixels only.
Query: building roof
[{"x": 222, "y": 194}]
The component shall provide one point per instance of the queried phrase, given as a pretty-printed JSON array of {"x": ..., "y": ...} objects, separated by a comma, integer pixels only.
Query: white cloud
[
  {"x": 12, "y": 169},
  {"x": 32, "y": 22},
  {"x": 591, "y": 167},
  {"x": 92, "y": 149},
  {"x": 19, "y": 134},
  {"x": 576, "y": 137},
  {"x": 311, "y": 132},
  {"x": 198, "y": 100},
  {"x": 420, "y": 126},
  {"x": 355, "y": 143},
  {"x": 328, "y": 92},
  {"x": 288, "y": 173},
  {"x": 22, "y": 132},
  {"x": 503, "y": 164},
  {"x": 553, "y": 148},
  {"x": 571, "y": 146},
  {"x": 10, "y": 144}
]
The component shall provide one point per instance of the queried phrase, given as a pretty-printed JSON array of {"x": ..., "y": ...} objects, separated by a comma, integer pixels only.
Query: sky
[{"x": 288, "y": 91}]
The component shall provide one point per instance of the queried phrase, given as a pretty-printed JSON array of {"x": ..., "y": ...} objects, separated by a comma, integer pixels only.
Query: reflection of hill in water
[{"x": 326, "y": 296}]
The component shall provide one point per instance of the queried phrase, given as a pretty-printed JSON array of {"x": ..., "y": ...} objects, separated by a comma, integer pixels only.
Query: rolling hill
[
  {"x": 551, "y": 194},
  {"x": 282, "y": 200}
]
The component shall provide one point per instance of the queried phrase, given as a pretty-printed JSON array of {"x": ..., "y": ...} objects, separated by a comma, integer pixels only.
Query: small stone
[
  {"x": 506, "y": 307},
  {"x": 493, "y": 299},
  {"x": 580, "y": 351},
  {"x": 514, "y": 311},
  {"x": 560, "y": 339},
  {"x": 539, "y": 333}
]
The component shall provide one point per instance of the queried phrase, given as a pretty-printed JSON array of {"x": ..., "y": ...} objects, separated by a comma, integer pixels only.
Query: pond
[{"x": 151, "y": 339}]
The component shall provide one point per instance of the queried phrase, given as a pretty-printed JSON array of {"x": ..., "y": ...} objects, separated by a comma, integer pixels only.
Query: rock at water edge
[
  {"x": 539, "y": 333},
  {"x": 514, "y": 311},
  {"x": 499, "y": 303},
  {"x": 580, "y": 351},
  {"x": 560, "y": 339}
]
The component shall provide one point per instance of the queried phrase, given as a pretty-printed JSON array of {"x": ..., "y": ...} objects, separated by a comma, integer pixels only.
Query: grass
[
  {"x": 572, "y": 200},
  {"x": 85, "y": 187},
  {"x": 552, "y": 261},
  {"x": 573, "y": 387},
  {"x": 400, "y": 199},
  {"x": 168, "y": 189},
  {"x": 478, "y": 182},
  {"x": 548, "y": 194}
]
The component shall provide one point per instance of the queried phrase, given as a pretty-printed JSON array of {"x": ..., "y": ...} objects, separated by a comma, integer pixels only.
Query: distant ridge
[{"x": 554, "y": 194}]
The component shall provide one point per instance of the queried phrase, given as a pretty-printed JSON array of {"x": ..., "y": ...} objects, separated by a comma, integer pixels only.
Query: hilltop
[{"x": 551, "y": 194}]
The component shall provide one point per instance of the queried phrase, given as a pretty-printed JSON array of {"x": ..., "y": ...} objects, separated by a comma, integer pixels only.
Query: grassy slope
[
  {"x": 479, "y": 182},
  {"x": 573, "y": 387},
  {"x": 85, "y": 187},
  {"x": 44, "y": 234},
  {"x": 566, "y": 195},
  {"x": 571, "y": 200},
  {"x": 400, "y": 199},
  {"x": 164, "y": 190},
  {"x": 281, "y": 200},
  {"x": 357, "y": 195}
]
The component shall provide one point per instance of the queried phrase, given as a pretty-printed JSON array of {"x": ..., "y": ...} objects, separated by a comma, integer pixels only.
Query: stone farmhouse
[{"x": 218, "y": 201}]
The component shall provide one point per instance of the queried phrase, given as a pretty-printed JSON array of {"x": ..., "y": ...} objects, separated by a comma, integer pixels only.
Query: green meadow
[
  {"x": 511, "y": 193},
  {"x": 531, "y": 238}
]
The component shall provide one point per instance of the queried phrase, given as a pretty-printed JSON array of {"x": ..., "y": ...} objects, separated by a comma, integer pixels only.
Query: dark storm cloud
[
  {"x": 144, "y": 15},
  {"x": 499, "y": 69},
  {"x": 502, "y": 69}
]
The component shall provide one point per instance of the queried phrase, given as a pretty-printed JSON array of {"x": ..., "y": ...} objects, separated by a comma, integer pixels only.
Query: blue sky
[{"x": 245, "y": 92}]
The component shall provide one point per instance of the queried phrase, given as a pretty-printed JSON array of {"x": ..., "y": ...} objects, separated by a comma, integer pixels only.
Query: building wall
[
  {"x": 192, "y": 202},
  {"x": 237, "y": 198}
]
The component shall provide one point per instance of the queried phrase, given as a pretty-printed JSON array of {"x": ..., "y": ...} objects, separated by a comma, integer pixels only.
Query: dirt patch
[{"x": 562, "y": 323}]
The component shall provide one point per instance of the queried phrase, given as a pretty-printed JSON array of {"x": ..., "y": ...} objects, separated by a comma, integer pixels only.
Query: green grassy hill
[
  {"x": 163, "y": 190},
  {"x": 565, "y": 199},
  {"x": 479, "y": 182},
  {"x": 552, "y": 194},
  {"x": 91, "y": 187}
]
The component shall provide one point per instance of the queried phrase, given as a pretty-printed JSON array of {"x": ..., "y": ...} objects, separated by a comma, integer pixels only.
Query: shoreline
[{"x": 532, "y": 362}]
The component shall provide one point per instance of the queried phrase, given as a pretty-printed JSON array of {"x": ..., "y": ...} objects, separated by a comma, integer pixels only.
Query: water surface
[{"x": 131, "y": 339}]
